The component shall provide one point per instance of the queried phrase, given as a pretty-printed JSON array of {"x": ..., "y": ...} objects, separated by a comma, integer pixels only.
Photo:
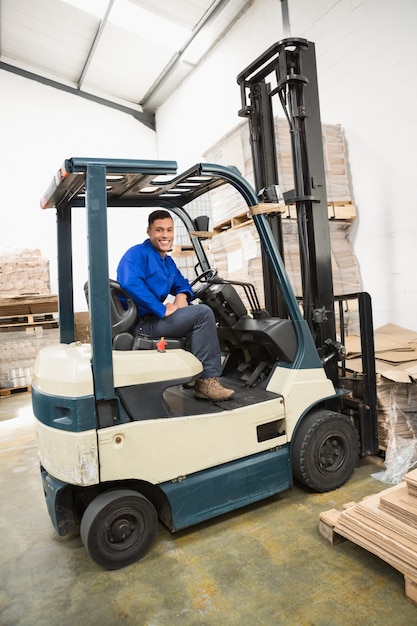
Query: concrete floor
[{"x": 263, "y": 565}]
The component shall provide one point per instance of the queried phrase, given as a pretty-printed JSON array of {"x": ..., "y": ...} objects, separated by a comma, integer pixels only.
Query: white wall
[
  {"x": 40, "y": 127},
  {"x": 366, "y": 51}
]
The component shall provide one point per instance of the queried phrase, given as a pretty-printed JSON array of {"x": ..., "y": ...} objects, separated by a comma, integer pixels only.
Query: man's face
[{"x": 161, "y": 234}]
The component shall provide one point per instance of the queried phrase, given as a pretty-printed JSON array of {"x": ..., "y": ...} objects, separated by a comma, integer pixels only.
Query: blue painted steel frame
[
  {"x": 72, "y": 414},
  {"x": 59, "y": 503},
  {"x": 224, "y": 488},
  {"x": 98, "y": 277}
]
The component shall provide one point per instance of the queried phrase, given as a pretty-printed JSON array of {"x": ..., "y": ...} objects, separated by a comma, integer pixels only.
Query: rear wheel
[
  {"x": 118, "y": 528},
  {"x": 325, "y": 450}
]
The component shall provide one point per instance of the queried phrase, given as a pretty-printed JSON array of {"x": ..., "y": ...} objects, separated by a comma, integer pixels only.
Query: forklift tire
[
  {"x": 325, "y": 450},
  {"x": 118, "y": 528}
]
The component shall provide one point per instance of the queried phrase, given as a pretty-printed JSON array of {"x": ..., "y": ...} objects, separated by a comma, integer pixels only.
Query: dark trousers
[{"x": 198, "y": 325}]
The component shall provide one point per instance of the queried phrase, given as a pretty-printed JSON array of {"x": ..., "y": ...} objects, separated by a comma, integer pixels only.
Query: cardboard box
[
  {"x": 21, "y": 305},
  {"x": 396, "y": 368},
  {"x": 82, "y": 326},
  {"x": 234, "y": 149},
  {"x": 236, "y": 254}
]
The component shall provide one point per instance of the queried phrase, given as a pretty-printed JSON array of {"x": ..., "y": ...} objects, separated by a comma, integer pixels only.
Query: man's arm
[
  {"x": 181, "y": 300},
  {"x": 132, "y": 278}
]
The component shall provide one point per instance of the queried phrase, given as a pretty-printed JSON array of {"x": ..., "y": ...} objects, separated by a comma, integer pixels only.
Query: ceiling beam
[
  {"x": 97, "y": 38},
  {"x": 150, "y": 100},
  {"x": 146, "y": 118}
]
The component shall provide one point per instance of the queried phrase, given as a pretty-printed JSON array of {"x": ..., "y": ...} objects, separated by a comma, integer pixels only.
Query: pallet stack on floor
[
  {"x": 235, "y": 244},
  {"x": 233, "y": 247},
  {"x": 27, "y": 317},
  {"x": 384, "y": 524},
  {"x": 236, "y": 253}
]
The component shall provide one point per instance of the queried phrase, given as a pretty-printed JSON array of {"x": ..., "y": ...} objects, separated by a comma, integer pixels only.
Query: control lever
[{"x": 332, "y": 350}]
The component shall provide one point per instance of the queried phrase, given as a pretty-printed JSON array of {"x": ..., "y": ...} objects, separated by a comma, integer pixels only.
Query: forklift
[{"x": 123, "y": 442}]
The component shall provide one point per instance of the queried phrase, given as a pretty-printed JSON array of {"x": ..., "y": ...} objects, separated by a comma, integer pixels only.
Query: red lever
[{"x": 161, "y": 345}]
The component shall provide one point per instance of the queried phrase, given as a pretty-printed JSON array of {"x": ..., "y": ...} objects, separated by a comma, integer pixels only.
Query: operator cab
[
  {"x": 238, "y": 330},
  {"x": 250, "y": 342}
]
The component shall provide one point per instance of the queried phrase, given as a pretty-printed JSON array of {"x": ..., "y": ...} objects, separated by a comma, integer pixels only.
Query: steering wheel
[{"x": 205, "y": 277}]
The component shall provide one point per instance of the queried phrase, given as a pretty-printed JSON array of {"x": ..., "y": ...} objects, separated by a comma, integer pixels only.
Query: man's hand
[
  {"x": 181, "y": 300},
  {"x": 170, "y": 308},
  {"x": 179, "y": 303}
]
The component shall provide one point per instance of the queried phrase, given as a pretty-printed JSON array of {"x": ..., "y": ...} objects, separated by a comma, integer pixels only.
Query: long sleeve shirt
[{"x": 149, "y": 278}]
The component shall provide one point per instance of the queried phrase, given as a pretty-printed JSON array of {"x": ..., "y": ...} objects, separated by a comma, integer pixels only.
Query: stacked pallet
[
  {"x": 34, "y": 309},
  {"x": 236, "y": 253},
  {"x": 235, "y": 245},
  {"x": 384, "y": 524},
  {"x": 235, "y": 240},
  {"x": 23, "y": 272},
  {"x": 18, "y": 351},
  {"x": 199, "y": 206},
  {"x": 345, "y": 267},
  {"x": 234, "y": 149},
  {"x": 187, "y": 262},
  {"x": 28, "y": 320}
]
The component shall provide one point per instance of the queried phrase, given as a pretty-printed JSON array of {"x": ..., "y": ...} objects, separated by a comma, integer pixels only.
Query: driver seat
[{"x": 123, "y": 312}]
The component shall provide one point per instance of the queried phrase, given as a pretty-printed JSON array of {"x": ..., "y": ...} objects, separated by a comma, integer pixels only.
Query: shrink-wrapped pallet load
[
  {"x": 27, "y": 316},
  {"x": 23, "y": 272}
]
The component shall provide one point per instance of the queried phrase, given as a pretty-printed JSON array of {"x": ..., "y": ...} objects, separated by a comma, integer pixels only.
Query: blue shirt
[{"x": 149, "y": 278}]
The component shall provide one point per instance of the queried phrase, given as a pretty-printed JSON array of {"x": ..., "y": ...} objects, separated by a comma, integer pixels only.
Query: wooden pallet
[
  {"x": 371, "y": 536},
  {"x": 344, "y": 211},
  {"x": 235, "y": 221},
  {"x": 17, "y": 322},
  {"x": 335, "y": 211},
  {"x": 12, "y": 391}
]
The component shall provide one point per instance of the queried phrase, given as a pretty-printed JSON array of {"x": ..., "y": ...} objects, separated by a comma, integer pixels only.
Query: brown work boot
[{"x": 212, "y": 389}]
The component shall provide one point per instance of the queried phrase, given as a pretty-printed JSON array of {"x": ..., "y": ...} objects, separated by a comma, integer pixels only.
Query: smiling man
[{"x": 149, "y": 275}]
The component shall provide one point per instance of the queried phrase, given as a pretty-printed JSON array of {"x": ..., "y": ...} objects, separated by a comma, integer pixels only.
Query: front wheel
[
  {"x": 325, "y": 450},
  {"x": 118, "y": 528}
]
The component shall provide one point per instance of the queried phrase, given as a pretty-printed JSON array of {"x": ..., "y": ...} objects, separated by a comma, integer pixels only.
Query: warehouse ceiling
[{"x": 128, "y": 54}]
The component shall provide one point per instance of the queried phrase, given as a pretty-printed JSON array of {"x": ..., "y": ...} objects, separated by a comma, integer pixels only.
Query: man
[{"x": 148, "y": 274}]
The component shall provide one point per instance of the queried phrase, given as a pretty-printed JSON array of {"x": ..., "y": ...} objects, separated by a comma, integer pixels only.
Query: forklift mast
[{"x": 288, "y": 70}]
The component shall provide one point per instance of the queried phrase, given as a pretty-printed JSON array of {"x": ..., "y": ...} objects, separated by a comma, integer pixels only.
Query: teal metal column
[
  {"x": 65, "y": 275},
  {"x": 101, "y": 339}
]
